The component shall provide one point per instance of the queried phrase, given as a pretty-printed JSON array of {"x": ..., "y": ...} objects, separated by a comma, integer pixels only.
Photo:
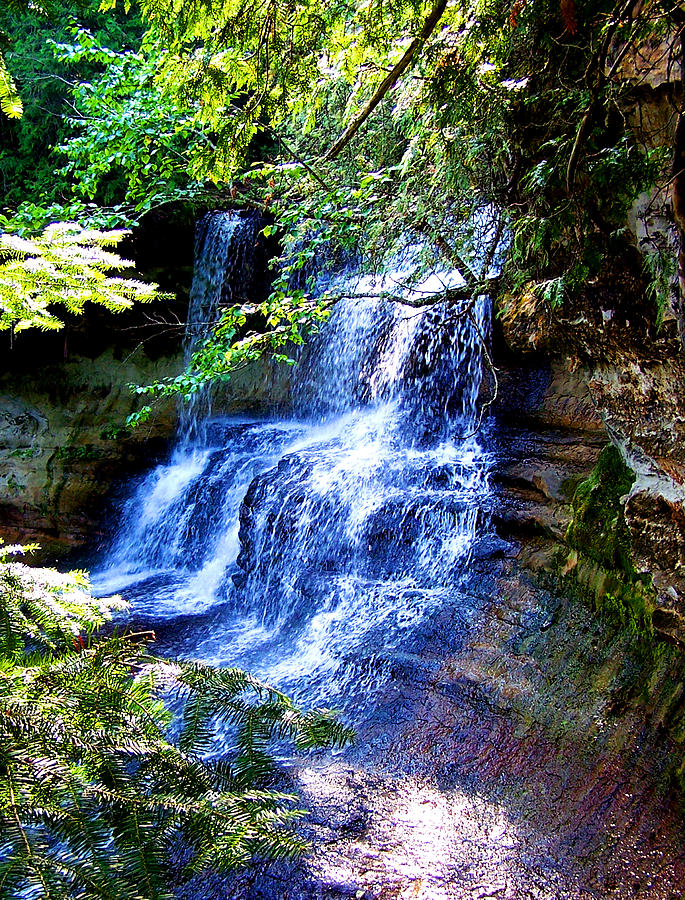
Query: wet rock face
[
  {"x": 632, "y": 373},
  {"x": 20, "y": 424},
  {"x": 657, "y": 531},
  {"x": 63, "y": 442},
  {"x": 547, "y": 437},
  {"x": 642, "y": 404},
  {"x": 642, "y": 401},
  {"x": 606, "y": 515},
  {"x": 546, "y": 394},
  {"x": 628, "y": 352}
]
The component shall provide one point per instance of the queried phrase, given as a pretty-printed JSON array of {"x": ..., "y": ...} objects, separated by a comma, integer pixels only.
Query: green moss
[
  {"x": 84, "y": 451},
  {"x": 602, "y": 561},
  {"x": 14, "y": 486},
  {"x": 599, "y": 529},
  {"x": 26, "y": 452}
]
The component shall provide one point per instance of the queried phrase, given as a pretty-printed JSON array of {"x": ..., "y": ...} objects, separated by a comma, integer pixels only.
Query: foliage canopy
[
  {"x": 28, "y": 159},
  {"x": 382, "y": 124},
  {"x": 483, "y": 130}
]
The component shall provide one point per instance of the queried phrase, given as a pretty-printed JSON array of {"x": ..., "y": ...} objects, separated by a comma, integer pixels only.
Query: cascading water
[
  {"x": 312, "y": 551},
  {"x": 226, "y": 271}
]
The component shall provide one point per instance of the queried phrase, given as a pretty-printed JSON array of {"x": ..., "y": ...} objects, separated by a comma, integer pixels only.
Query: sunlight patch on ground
[{"x": 404, "y": 839}]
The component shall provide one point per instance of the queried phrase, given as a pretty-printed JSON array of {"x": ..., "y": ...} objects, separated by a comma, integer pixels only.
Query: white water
[{"x": 314, "y": 550}]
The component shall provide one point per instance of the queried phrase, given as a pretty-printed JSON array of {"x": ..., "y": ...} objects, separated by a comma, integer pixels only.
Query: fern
[{"x": 10, "y": 102}]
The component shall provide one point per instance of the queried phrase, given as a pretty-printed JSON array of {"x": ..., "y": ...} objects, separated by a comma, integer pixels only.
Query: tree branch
[
  {"x": 493, "y": 371},
  {"x": 467, "y": 293},
  {"x": 389, "y": 81}
]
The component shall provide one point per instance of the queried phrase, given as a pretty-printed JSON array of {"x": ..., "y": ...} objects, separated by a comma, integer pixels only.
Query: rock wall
[
  {"x": 64, "y": 444},
  {"x": 63, "y": 441},
  {"x": 616, "y": 380},
  {"x": 621, "y": 348}
]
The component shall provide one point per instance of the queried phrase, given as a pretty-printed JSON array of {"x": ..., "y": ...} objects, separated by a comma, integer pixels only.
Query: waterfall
[
  {"x": 313, "y": 549},
  {"x": 226, "y": 271}
]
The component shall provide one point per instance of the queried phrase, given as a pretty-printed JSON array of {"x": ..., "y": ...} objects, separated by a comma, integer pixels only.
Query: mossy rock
[
  {"x": 599, "y": 530},
  {"x": 601, "y": 560}
]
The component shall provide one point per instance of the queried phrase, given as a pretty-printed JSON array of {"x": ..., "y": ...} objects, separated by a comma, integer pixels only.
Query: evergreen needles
[{"x": 94, "y": 795}]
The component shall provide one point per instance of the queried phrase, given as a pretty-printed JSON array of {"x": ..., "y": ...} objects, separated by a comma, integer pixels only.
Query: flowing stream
[{"x": 313, "y": 549}]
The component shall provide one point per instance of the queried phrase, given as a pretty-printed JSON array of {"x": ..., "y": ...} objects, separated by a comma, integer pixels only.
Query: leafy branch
[{"x": 67, "y": 266}]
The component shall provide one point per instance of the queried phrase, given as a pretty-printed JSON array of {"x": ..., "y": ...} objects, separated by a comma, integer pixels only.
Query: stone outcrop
[
  {"x": 63, "y": 441},
  {"x": 589, "y": 480},
  {"x": 627, "y": 349},
  {"x": 637, "y": 403},
  {"x": 625, "y": 353}
]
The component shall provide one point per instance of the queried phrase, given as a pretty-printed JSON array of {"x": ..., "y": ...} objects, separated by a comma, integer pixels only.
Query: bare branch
[
  {"x": 598, "y": 66},
  {"x": 493, "y": 371},
  {"x": 467, "y": 293}
]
